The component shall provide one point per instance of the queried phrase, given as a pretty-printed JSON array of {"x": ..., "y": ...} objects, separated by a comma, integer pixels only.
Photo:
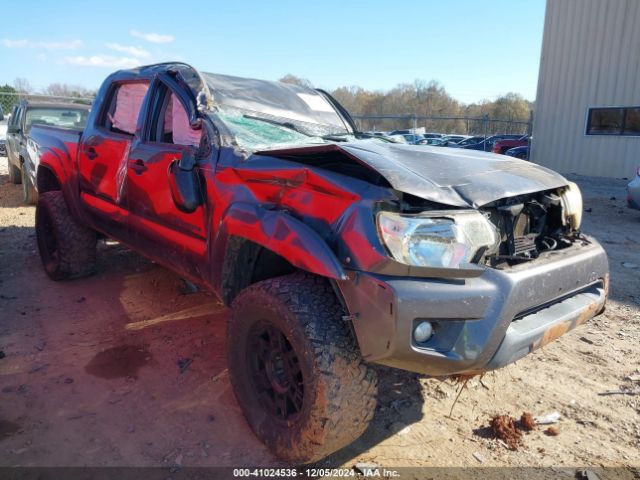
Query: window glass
[
  {"x": 174, "y": 123},
  {"x": 124, "y": 112},
  {"x": 57, "y": 117},
  {"x": 632, "y": 121},
  {"x": 605, "y": 121}
]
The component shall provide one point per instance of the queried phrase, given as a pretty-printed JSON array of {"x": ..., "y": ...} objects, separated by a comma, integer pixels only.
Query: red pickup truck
[
  {"x": 501, "y": 146},
  {"x": 334, "y": 250}
]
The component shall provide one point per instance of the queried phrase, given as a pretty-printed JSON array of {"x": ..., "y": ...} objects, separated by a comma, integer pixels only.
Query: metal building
[{"x": 587, "y": 112}]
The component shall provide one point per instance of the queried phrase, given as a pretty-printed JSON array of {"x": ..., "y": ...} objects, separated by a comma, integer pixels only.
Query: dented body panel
[{"x": 310, "y": 203}]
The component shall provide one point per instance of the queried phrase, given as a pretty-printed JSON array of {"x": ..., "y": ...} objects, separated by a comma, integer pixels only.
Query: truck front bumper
[{"x": 480, "y": 323}]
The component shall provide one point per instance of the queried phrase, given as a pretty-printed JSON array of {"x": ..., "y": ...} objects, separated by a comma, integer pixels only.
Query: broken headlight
[
  {"x": 440, "y": 239},
  {"x": 572, "y": 206}
]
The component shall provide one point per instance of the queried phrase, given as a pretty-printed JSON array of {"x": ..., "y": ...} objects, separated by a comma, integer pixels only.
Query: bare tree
[{"x": 22, "y": 85}]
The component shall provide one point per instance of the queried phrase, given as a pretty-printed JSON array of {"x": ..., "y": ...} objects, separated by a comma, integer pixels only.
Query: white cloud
[
  {"x": 133, "y": 51},
  {"x": 103, "y": 61},
  {"x": 68, "y": 45},
  {"x": 152, "y": 37}
]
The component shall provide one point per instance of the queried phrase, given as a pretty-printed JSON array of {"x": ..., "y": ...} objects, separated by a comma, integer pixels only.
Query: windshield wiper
[{"x": 288, "y": 125}]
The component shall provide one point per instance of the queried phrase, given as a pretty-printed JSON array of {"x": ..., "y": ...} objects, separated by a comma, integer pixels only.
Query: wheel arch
[
  {"x": 255, "y": 244},
  {"x": 47, "y": 180}
]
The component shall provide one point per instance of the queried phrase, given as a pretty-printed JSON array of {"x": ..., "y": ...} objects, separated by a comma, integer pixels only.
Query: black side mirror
[
  {"x": 13, "y": 129},
  {"x": 184, "y": 184}
]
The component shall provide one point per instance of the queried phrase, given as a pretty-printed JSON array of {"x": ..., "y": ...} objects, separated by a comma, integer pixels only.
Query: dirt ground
[{"x": 127, "y": 368}]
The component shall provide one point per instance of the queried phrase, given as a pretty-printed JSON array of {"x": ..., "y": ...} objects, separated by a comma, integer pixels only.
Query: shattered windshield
[{"x": 263, "y": 114}]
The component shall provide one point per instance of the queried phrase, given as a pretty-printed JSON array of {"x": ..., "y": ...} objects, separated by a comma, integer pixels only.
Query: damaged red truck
[{"x": 333, "y": 250}]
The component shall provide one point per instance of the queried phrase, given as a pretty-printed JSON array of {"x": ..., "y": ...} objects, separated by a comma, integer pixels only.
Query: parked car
[
  {"x": 471, "y": 140},
  {"x": 412, "y": 138},
  {"x": 333, "y": 252},
  {"x": 437, "y": 142},
  {"x": 519, "y": 152},
  {"x": 3, "y": 133},
  {"x": 454, "y": 138},
  {"x": 432, "y": 135},
  {"x": 22, "y": 163},
  {"x": 487, "y": 145},
  {"x": 501, "y": 146},
  {"x": 633, "y": 192}
]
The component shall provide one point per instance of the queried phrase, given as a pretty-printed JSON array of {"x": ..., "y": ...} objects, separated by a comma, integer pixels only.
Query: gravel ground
[{"x": 127, "y": 368}]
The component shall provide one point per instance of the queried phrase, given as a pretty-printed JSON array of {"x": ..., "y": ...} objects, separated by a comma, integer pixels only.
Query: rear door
[
  {"x": 104, "y": 152},
  {"x": 176, "y": 237},
  {"x": 13, "y": 139}
]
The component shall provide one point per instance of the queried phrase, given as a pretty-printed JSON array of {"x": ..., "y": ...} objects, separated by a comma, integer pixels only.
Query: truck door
[
  {"x": 178, "y": 239},
  {"x": 14, "y": 134},
  {"x": 104, "y": 152}
]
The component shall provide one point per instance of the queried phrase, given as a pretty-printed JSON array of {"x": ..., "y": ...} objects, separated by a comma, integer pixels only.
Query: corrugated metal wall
[{"x": 590, "y": 58}]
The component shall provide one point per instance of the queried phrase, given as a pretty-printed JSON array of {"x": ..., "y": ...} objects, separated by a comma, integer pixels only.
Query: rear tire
[
  {"x": 296, "y": 369},
  {"x": 67, "y": 249},
  {"x": 29, "y": 193},
  {"x": 14, "y": 173}
]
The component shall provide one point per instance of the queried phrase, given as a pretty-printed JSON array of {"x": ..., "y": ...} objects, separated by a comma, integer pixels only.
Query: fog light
[{"x": 422, "y": 332}]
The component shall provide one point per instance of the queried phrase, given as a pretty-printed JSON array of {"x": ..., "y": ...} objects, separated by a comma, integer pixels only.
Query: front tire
[
  {"x": 14, "y": 173},
  {"x": 29, "y": 193},
  {"x": 67, "y": 249},
  {"x": 296, "y": 369}
]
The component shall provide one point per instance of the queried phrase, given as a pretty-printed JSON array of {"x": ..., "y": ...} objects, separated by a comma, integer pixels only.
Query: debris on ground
[
  {"x": 184, "y": 363},
  {"x": 552, "y": 431},
  {"x": 527, "y": 421},
  {"x": 621, "y": 391},
  {"x": 478, "y": 457},
  {"x": 630, "y": 265},
  {"x": 548, "y": 419},
  {"x": 504, "y": 428},
  {"x": 586, "y": 340}
]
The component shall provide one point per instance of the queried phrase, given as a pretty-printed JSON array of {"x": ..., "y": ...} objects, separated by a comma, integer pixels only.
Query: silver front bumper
[{"x": 480, "y": 323}]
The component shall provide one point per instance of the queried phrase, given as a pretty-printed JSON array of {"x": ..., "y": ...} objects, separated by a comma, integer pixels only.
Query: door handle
[
  {"x": 137, "y": 166},
  {"x": 91, "y": 153}
]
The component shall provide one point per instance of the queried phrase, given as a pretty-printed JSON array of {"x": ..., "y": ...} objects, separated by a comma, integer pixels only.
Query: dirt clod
[
  {"x": 552, "y": 431},
  {"x": 504, "y": 428},
  {"x": 527, "y": 422}
]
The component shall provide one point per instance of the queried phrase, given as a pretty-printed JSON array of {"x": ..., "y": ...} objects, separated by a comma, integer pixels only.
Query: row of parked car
[{"x": 506, "y": 144}]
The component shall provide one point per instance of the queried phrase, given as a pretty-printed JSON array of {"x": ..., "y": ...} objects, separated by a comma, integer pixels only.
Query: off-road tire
[
  {"x": 15, "y": 176},
  {"x": 67, "y": 249},
  {"x": 340, "y": 389},
  {"x": 29, "y": 193}
]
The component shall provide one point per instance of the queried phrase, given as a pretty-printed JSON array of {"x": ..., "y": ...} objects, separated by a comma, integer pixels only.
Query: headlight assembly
[
  {"x": 572, "y": 206},
  {"x": 439, "y": 239}
]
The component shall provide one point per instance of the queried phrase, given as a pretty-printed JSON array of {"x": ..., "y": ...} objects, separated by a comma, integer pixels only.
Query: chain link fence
[
  {"x": 484, "y": 125},
  {"x": 8, "y": 100}
]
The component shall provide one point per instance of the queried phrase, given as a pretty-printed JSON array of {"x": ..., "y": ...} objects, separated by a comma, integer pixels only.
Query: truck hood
[{"x": 451, "y": 176}]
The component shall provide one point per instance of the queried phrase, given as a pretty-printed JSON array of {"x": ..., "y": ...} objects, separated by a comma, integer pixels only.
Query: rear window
[
  {"x": 124, "y": 107},
  {"x": 56, "y": 117}
]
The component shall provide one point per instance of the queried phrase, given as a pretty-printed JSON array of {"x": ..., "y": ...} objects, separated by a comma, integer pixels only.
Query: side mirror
[
  {"x": 13, "y": 129},
  {"x": 184, "y": 184}
]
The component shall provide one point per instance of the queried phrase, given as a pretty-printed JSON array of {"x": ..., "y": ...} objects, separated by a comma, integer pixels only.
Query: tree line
[{"x": 429, "y": 99}]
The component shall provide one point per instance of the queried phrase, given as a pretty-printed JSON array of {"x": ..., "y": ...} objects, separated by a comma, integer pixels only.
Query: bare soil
[{"x": 128, "y": 368}]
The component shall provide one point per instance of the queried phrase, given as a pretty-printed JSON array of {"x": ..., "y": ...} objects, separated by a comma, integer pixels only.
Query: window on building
[
  {"x": 614, "y": 121},
  {"x": 632, "y": 121}
]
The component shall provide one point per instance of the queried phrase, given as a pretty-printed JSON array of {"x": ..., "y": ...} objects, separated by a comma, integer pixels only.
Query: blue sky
[{"x": 476, "y": 48}]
